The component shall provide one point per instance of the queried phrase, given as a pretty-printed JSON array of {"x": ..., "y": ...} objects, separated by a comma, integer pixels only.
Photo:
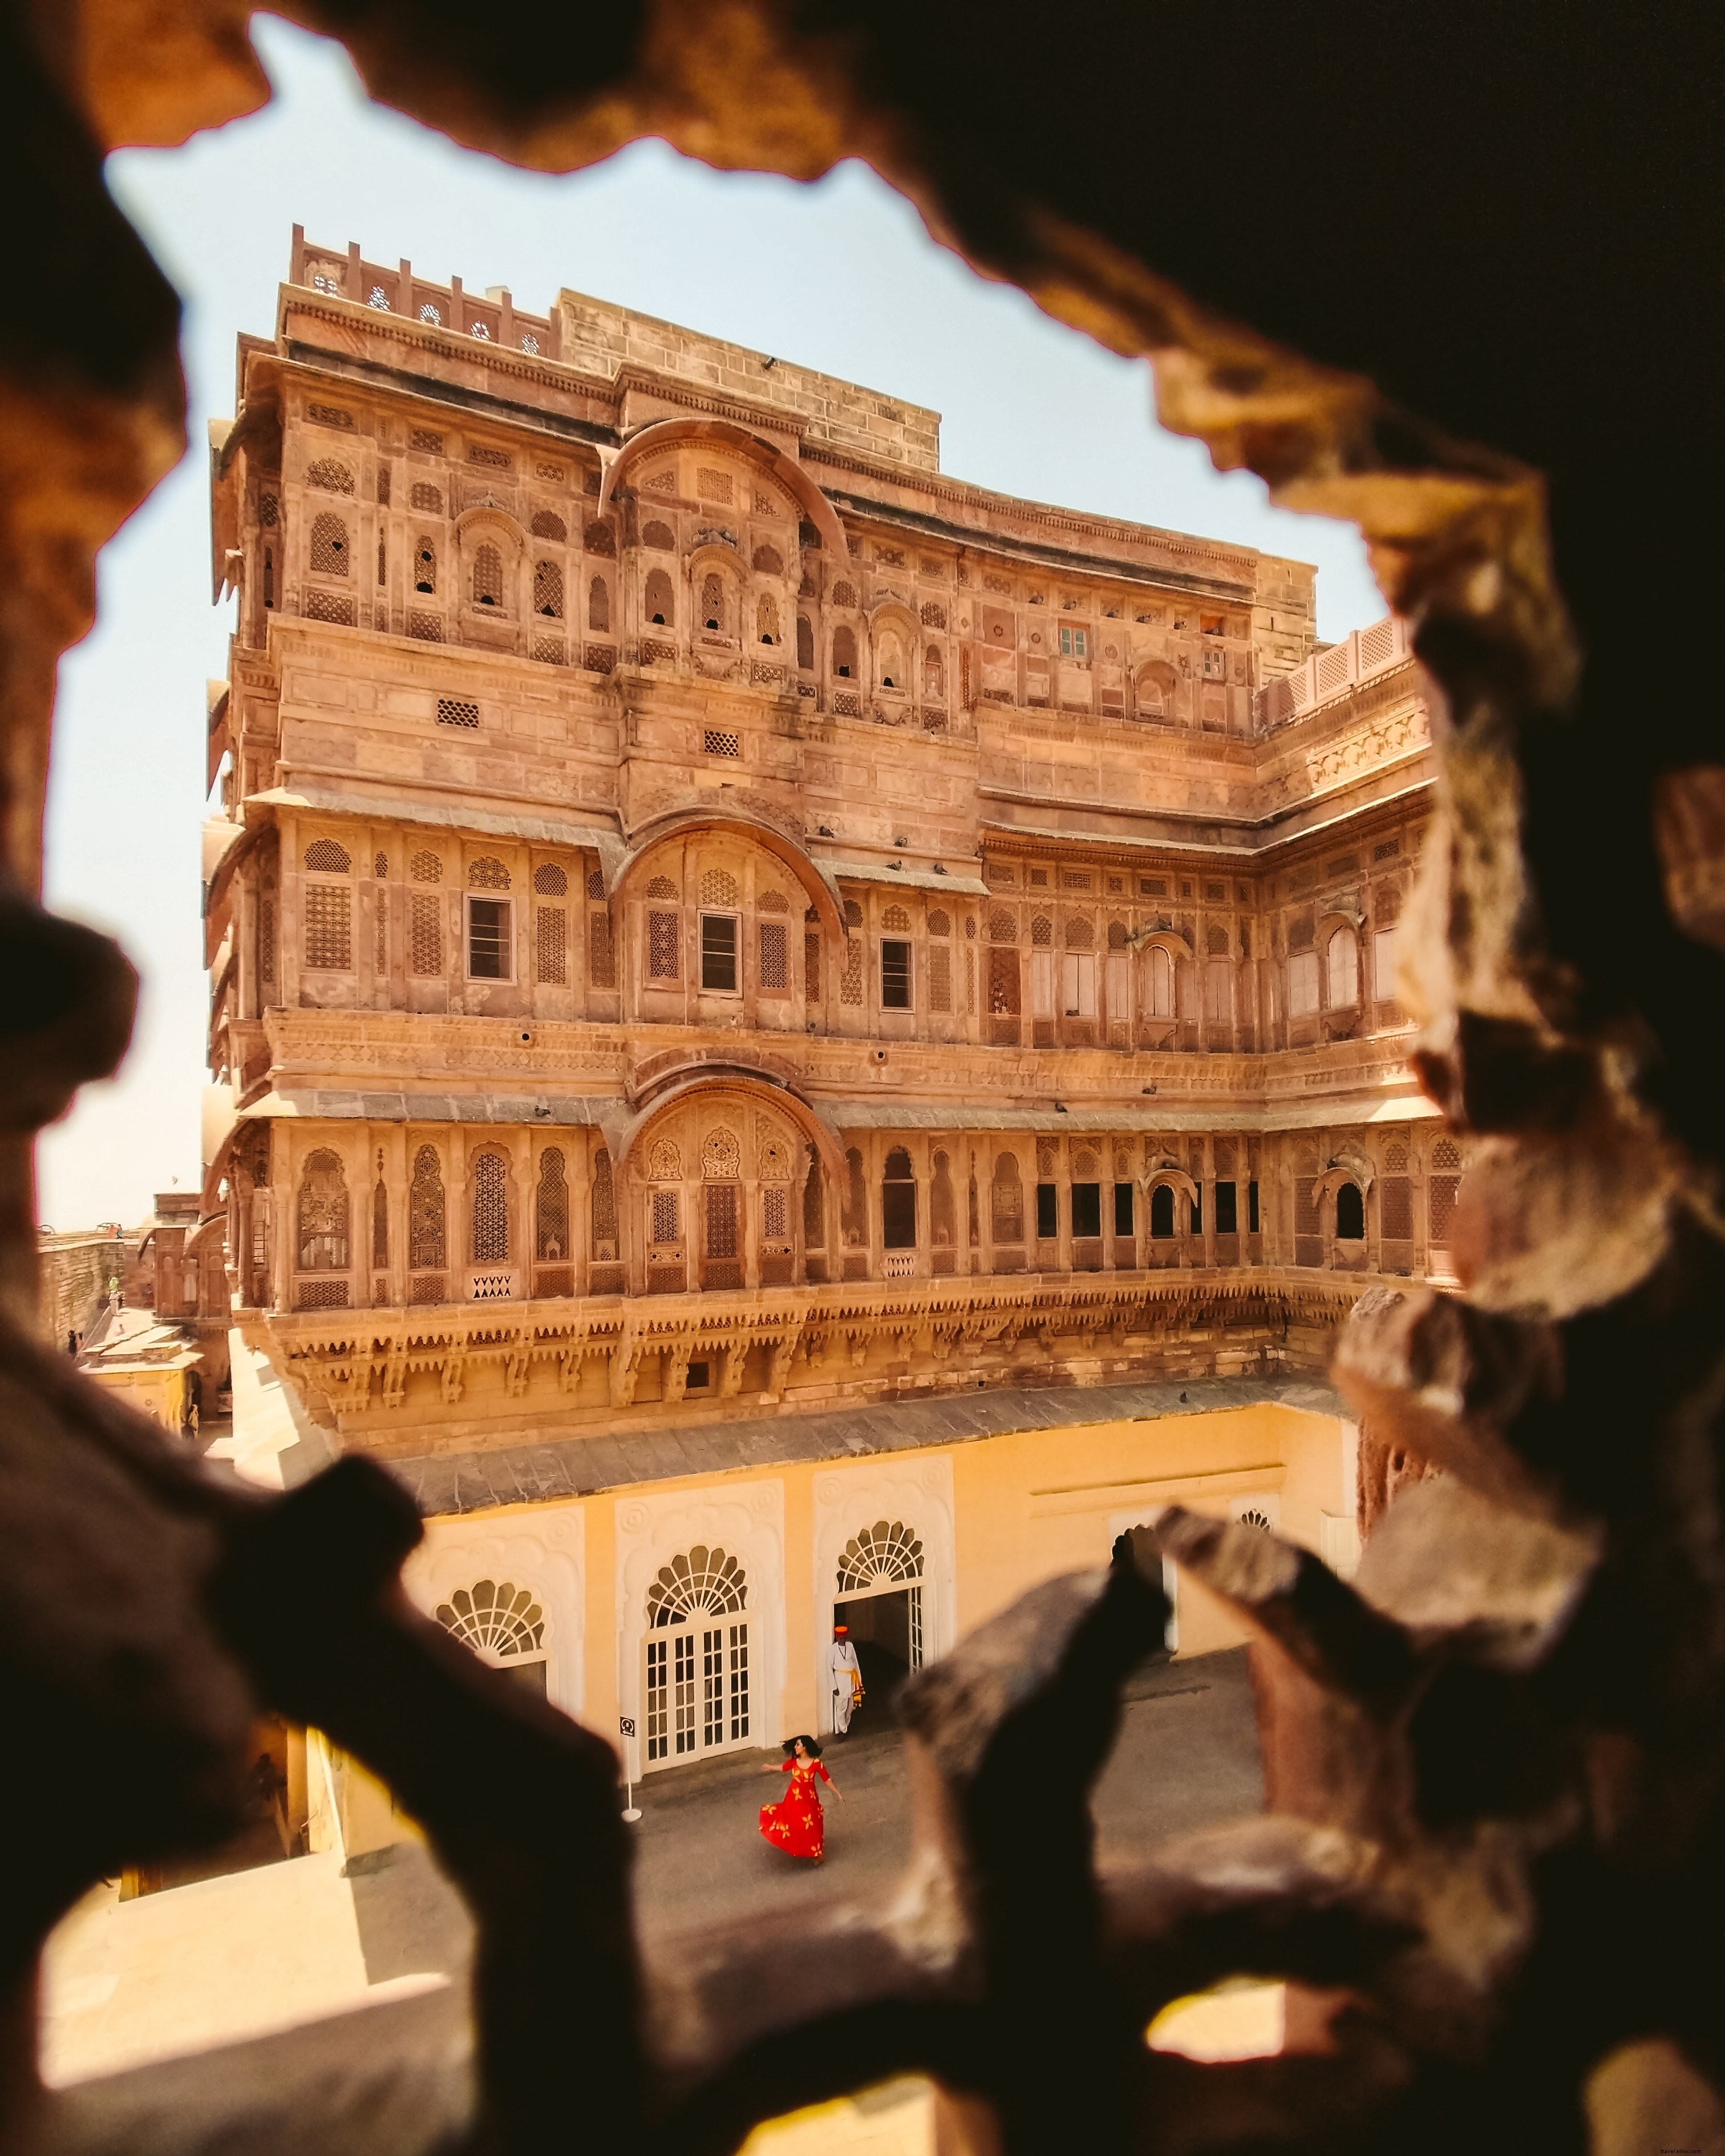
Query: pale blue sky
[{"x": 840, "y": 276}]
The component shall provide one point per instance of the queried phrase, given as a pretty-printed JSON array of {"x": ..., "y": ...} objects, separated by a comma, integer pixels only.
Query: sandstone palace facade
[{"x": 717, "y": 925}]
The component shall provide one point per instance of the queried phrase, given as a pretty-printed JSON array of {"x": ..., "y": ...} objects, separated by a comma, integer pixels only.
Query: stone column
[
  {"x": 1207, "y": 1183},
  {"x": 576, "y": 1157},
  {"x": 922, "y": 1174},
  {"x": 458, "y": 1215},
  {"x": 246, "y": 945},
  {"x": 281, "y": 1189},
  {"x": 1063, "y": 1205}
]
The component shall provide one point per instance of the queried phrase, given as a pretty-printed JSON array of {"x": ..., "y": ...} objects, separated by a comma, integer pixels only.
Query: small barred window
[
  {"x": 324, "y": 857},
  {"x": 426, "y": 496},
  {"x": 425, "y": 438},
  {"x": 329, "y": 546},
  {"x": 714, "y": 742},
  {"x": 426, "y": 867},
  {"x": 811, "y": 967},
  {"x": 425, "y": 936},
  {"x": 940, "y": 922},
  {"x": 775, "y": 968},
  {"x": 269, "y": 511},
  {"x": 718, "y": 887},
  {"x": 455, "y": 711},
  {"x": 666, "y": 1221},
  {"x": 330, "y": 473},
  {"x": 850, "y": 980},
  {"x": 487, "y": 575},
  {"x": 663, "y": 944},
  {"x": 550, "y": 881},
  {"x": 595, "y": 883},
  {"x": 548, "y": 525},
  {"x": 896, "y": 920},
  {"x": 933, "y": 616},
  {"x": 548, "y": 590},
  {"x": 494, "y": 459},
  {"x": 551, "y": 937},
  {"x": 1041, "y": 932},
  {"x": 601, "y": 963},
  {"x": 329, "y": 927}
]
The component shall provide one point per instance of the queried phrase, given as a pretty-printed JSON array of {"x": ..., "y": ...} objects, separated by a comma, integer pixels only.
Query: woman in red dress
[{"x": 796, "y": 1823}]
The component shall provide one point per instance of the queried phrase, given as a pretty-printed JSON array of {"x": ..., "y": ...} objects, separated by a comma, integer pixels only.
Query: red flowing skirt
[{"x": 795, "y": 1824}]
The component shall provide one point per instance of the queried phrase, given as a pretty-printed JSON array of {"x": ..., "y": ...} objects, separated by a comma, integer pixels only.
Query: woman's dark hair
[{"x": 808, "y": 1743}]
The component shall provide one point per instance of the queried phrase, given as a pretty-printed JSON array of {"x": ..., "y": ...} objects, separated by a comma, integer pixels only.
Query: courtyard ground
[{"x": 237, "y": 1956}]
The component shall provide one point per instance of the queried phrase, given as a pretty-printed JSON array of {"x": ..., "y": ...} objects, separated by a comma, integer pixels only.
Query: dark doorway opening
[{"x": 880, "y": 1628}]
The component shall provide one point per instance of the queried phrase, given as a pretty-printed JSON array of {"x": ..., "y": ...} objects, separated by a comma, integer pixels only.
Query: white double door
[{"x": 696, "y": 1686}]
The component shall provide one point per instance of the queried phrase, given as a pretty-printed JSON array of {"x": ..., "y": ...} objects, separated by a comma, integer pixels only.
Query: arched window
[
  {"x": 934, "y": 674},
  {"x": 814, "y": 1205},
  {"x": 548, "y": 525},
  {"x": 1350, "y": 1214},
  {"x": 768, "y": 561},
  {"x": 503, "y": 1624},
  {"x": 1159, "y": 984},
  {"x": 942, "y": 1211},
  {"x": 426, "y": 1244},
  {"x": 805, "y": 642},
  {"x": 552, "y": 1207},
  {"x": 934, "y": 616},
  {"x": 898, "y": 1201},
  {"x": 332, "y": 475},
  {"x": 598, "y": 604},
  {"x": 1007, "y": 1193},
  {"x": 1162, "y": 1211},
  {"x": 380, "y": 1222},
  {"x": 329, "y": 546},
  {"x": 855, "y": 1221},
  {"x": 323, "y": 1214},
  {"x": 485, "y": 872},
  {"x": 491, "y": 1210},
  {"x": 659, "y": 537},
  {"x": 425, "y": 566},
  {"x": 696, "y": 1620},
  {"x": 1443, "y": 1187},
  {"x": 326, "y": 857},
  {"x": 843, "y": 595},
  {"x": 766, "y": 618},
  {"x": 659, "y": 606},
  {"x": 599, "y": 538},
  {"x": 487, "y": 575},
  {"x": 712, "y": 600},
  {"x": 845, "y": 651},
  {"x": 422, "y": 495},
  {"x": 548, "y": 590},
  {"x": 1341, "y": 967}
]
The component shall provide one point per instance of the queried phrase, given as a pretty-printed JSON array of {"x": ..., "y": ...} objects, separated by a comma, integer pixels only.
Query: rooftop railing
[
  {"x": 344, "y": 273},
  {"x": 1361, "y": 656}
]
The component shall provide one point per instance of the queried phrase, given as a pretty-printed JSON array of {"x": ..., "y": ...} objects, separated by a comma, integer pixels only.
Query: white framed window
[
  {"x": 491, "y": 946},
  {"x": 1074, "y": 643},
  {"x": 720, "y": 937},
  {"x": 1078, "y": 983},
  {"x": 1302, "y": 983}
]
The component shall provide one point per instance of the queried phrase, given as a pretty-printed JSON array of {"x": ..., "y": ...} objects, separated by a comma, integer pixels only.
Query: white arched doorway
[
  {"x": 695, "y": 1680},
  {"x": 878, "y": 1595}
]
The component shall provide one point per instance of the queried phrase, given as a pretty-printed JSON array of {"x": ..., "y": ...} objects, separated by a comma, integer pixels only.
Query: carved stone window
[
  {"x": 551, "y": 933},
  {"x": 329, "y": 927},
  {"x": 548, "y": 525},
  {"x": 322, "y": 1221},
  {"x": 487, "y": 575},
  {"x": 425, "y": 936},
  {"x": 814, "y": 1208},
  {"x": 721, "y": 1155},
  {"x": 548, "y": 590},
  {"x": 551, "y": 1234},
  {"x": 1007, "y": 1200},
  {"x": 658, "y": 605},
  {"x": 604, "y": 1207},
  {"x": 330, "y": 474},
  {"x": 329, "y": 546},
  {"x": 490, "y": 1208},
  {"x": 426, "y": 1241},
  {"x": 664, "y": 944},
  {"x": 551, "y": 882},
  {"x": 712, "y": 601},
  {"x": 598, "y": 604}
]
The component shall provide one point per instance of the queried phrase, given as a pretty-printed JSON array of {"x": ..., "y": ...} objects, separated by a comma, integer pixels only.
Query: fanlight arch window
[
  {"x": 879, "y": 1558},
  {"x": 659, "y": 605},
  {"x": 718, "y": 887},
  {"x": 487, "y": 873},
  {"x": 701, "y": 1581},
  {"x": 329, "y": 546},
  {"x": 323, "y": 1213},
  {"x": 491, "y": 1210},
  {"x": 498, "y": 1619},
  {"x": 548, "y": 590},
  {"x": 487, "y": 575},
  {"x": 425, "y": 1213},
  {"x": 1341, "y": 967},
  {"x": 552, "y": 1237}
]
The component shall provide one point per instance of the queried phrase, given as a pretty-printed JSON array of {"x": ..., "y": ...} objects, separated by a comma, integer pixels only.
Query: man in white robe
[{"x": 847, "y": 1684}]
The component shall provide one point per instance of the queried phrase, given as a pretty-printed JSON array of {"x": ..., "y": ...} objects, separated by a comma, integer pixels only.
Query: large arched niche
[
  {"x": 664, "y": 433},
  {"x": 737, "y": 1089},
  {"x": 655, "y": 838}
]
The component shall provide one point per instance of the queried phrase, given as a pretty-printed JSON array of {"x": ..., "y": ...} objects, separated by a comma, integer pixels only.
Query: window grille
[
  {"x": 880, "y": 1555},
  {"x": 379, "y": 300},
  {"x": 329, "y": 415},
  {"x": 1002, "y": 984},
  {"x": 322, "y": 1295},
  {"x": 380, "y": 935},
  {"x": 721, "y": 1220},
  {"x": 322, "y": 1215},
  {"x": 896, "y": 919},
  {"x": 712, "y": 601},
  {"x": 330, "y": 474},
  {"x": 718, "y": 887},
  {"x": 1007, "y": 1193},
  {"x": 495, "y": 1619},
  {"x": 1003, "y": 926},
  {"x": 712, "y": 486},
  {"x": 601, "y": 959},
  {"x": 1395, "y": 1216},
  {"x": 266, "y": 939},
  {"x": 551, "y": 1235},
  {"x": 662, "y": 887},
  {"x": 720, "y": 1156},
  {"x": 599, "y": 538},
  {"x": 776, "y": 1212},
  {"x": 480, "y": 330},
  {"x": 665, "y": 1226},
  {"x": 603, "y": 1204},
  {"x": 548, "y": 589},
  {"x": 805, "y": 642},
  {"x": 852, "y": 913},
  {"x": 657, "y": 605},
  {"x": 811, "y": 967},
  {"x": 775, "y": 969},
  {"x": 595, "y": 883},
  {"x": 487, "y": 575},
  {"x": 487, "y": 873},
  {"x": 940, "y": 977},
  {"x": 325, "y": 857},
  {"x": 772, "y": 902},
  {"x": 766, "y": 618},
  {"x": 334, "y": 607},
  {"x": 598, "y": 605},
  {"x": 659, "y": 537},
  {"x": 702, "y": 1581},
  {"x": 970, "y": 983},
  {"x": 940, "y": 922},
  {"x": 425, "y": 936},
  {"x": 424, "y": 496},
  {"x": 664, "y": 946},
  {"x": 843, "y": 595},
  {"x": 491, "y": 1210},
  {"x": 432, "y": 315},
  {"x": 1080, "y": 935},
  {"x": 1041, "y": 932},
  {"x": 429, "y": 628},
  {"x": 716, "y": 743},
  {"x": 942, "y": 1217},
  {"x": 380, "y": 1226},
  {"x": 550, "y": 934},
  {"x": 382, "y": 570},
  {"x": 1118, "y": 935},
  {"x": 494, "y": 459},
  {"x": 426, "y": 866},
  {"x": 530, "y": 344},
  {"x": 425, "y": 438},
  {"x": 456, "y": 711},
  {"x": 551, "y": 882},
  {"x": 851, "y": 979},
  {"x": 329, "y": 927},
  {"x": 844, "y": 652},
  {"x": 269, "y": 511},
  {"x": 548, "y": 524},
  {"x": 814, "y": 1210},
  {"x": 329, "y": 546}
]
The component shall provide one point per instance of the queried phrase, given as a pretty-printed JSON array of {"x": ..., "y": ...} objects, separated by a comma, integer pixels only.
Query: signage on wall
[{"x": 626, "y": 1724}]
